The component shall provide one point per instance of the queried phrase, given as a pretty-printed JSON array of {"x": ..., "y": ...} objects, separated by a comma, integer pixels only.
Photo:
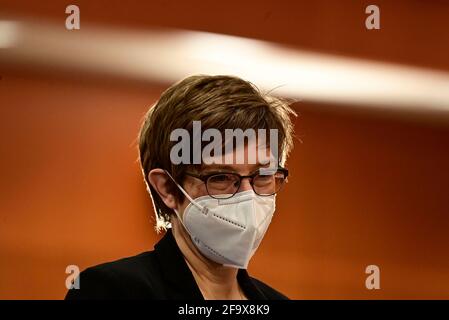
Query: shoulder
[
  {"x": 128, "y": 277},
  {"x": 268, "y": 292},
  {"x": 137, "y": 266}
]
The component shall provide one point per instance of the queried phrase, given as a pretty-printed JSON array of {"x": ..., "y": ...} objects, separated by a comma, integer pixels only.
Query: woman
[{"x": 215, "y": 213}]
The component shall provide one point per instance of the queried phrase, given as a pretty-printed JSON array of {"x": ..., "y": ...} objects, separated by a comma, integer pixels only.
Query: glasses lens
[
  {"x": 268, "y": 184},
  {"x": 223, "y": 185}
]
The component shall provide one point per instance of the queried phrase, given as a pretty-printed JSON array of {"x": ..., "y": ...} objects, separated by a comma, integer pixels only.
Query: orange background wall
[{"x": 365, "y": 188}]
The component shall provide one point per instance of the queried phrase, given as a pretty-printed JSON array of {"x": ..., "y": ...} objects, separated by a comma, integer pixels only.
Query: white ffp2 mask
[{"x": 228, "y": 231}]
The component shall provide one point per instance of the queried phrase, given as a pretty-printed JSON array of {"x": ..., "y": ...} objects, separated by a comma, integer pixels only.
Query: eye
[
  {"x": 222, "y": 183},
  {"x": 219, "y": 178},
  {"x": 263, "y": 179}
]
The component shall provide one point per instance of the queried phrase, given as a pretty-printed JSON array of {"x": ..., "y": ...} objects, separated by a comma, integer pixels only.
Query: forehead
[
  {"x": 253, "y": 151},
  {"x": 253, "y": 154}
]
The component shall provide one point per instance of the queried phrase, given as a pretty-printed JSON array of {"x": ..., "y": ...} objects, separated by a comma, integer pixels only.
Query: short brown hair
[{"x": 220, "y": 102}]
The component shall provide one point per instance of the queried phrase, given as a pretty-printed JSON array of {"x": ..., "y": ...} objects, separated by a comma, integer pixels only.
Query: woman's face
[{"x": 197, "y": 188}]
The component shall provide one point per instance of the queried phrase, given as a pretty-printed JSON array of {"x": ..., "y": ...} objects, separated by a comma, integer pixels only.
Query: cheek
[
  {"x": 194, "y": 191},
  {"x": 198, "y": 190}
]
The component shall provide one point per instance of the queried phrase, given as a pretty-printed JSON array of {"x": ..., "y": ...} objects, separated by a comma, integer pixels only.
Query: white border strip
[{"x": 169, "y": 56}]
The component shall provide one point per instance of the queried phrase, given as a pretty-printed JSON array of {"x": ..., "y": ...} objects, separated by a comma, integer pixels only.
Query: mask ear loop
[
  {"x": 193, "y": 202},
  {"x": 184, "y": 192}
]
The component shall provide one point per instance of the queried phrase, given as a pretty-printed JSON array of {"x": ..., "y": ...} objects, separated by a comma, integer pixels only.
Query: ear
[{"x": 159, "y": 181}]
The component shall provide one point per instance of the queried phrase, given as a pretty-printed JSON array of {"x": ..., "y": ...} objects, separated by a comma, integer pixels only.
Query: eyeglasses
[{"x": 224, "y": 185}]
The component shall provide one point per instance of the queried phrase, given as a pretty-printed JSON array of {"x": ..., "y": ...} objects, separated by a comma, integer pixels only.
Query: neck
[{"x": 214, "y": 280}]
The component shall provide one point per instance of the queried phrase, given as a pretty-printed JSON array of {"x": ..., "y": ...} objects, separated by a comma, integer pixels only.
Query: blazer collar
[{"x": 182, "y": 284}]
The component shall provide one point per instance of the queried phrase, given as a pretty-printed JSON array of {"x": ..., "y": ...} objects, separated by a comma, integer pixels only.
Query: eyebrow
[
  {"x": 218, "y": 167},
  {"x": 228, "y": 168}
]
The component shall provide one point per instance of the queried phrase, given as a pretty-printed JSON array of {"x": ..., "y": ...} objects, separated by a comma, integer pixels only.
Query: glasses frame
[{"x": 205, "y": 178}]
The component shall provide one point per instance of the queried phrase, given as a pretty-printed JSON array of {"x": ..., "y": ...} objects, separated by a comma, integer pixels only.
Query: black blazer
[{"x": 158, "y": 274}]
